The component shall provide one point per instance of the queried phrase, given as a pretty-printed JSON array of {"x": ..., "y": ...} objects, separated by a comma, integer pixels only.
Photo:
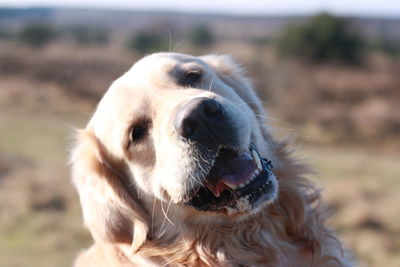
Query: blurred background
[{"x": 327, "y": 71}]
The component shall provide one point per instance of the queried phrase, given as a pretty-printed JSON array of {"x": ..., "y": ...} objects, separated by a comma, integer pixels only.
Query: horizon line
[{"x": 303, "y": 13}]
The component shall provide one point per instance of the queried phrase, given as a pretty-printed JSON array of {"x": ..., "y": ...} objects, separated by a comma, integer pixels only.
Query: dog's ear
[
  {"x": 232, "y": 73},
  {"x": 111, "y": 210}
]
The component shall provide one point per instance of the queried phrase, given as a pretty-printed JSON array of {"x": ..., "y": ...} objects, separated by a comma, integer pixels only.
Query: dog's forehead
[
  {"x": 161, "y": 59},
  {"x": 161, "y": 69},
  {"x": 129, "y": 96},
  {"x": 151, "y": 72},
  {"x": 150, "y": 77}
]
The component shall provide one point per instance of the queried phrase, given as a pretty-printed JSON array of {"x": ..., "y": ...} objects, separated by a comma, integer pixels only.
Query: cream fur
[{"x": 131, "y": 198}]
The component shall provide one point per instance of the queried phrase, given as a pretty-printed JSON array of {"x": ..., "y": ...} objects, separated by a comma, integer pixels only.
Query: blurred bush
[
  {"x": 85, "y": 35},
  {"x": 386, "y": 45},
  {"x": 5, "y": 34},
  {"x": 147, "y": 42},
  {"x": 36, "y": 34},
  {"x": 201, "y": 36},
  {"x": 323, "y": 38}
]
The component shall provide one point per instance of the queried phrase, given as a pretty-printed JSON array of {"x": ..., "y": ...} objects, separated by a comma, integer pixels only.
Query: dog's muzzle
[
  {"x": 233, "y": 180},
  {"x": 237, "y": 182}
]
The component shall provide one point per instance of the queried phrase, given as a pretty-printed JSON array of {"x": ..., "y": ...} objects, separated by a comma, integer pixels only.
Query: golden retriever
[{"x": 177, "y": 167}]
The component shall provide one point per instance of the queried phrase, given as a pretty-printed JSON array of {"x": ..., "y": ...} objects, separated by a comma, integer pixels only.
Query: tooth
[
  {"x": 231, "y": 186},
  {"x": 218, "y": 150},
  {"x": 255, "y": 174},
  {"x": 256, "y": 159}
]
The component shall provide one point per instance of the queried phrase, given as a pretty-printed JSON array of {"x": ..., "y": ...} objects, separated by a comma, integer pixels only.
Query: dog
[{"x": 178, "y": 167}]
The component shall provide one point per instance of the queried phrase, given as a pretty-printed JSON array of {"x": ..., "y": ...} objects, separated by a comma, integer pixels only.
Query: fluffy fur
[{"x": 131, "y": 196}]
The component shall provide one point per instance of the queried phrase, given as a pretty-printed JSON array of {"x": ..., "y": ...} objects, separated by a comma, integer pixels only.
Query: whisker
[
  {"x": 169, "y": 205},
  {"x": 162, "y": 208},
  {"x": 154, "y": 93},
  {"x": 152, "y": 216},
  {"x": 176, "y": 46},
  {"x": 206, "y": 161},
  {"x": 212, "y": 81},
  {"x": 261, "y": 116},
  {"x": 161, "y": 233},
  {"x": 246, "y": 103},
  {"x": 201, "y": 167},
  {"x": 278, "y": 120},
  {"x": 165, "y": 214},
  {"x": 271, "y": 118},
  {"x": 170, "y": 40}
]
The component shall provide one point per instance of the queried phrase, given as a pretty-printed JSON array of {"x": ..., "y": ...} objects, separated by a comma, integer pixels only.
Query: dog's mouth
[{"x": 237, "y": 182}]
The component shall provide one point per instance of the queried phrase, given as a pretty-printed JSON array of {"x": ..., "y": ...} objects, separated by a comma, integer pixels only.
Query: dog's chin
[{"x": 237, "y": 183}]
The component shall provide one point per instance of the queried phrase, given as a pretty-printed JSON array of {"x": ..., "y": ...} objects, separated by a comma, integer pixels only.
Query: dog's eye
[
  {"x": 191, "y": 78},
  {"x": 138, "y": 132}
]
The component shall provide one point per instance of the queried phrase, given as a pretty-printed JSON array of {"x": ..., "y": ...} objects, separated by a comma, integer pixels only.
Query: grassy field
[
  {"x": 40, "y": 217},
  {"x": 361, "y": 188}
]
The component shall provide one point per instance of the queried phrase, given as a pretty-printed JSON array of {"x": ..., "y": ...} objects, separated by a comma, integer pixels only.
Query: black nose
[{"x": 201, "y": 119}]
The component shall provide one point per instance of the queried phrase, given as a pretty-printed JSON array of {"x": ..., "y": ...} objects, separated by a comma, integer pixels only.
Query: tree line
[{"x": 323, "y": 38}]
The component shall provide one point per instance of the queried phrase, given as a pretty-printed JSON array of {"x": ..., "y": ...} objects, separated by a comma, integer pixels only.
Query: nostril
[
  {"x": 195, "y": 119},
  {"x": 211, "y": 107},
  {"x": 188, "y": 127}
]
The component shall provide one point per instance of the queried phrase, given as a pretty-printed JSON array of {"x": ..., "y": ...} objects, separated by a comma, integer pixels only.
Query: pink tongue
[{"x": 230, "y": 169}]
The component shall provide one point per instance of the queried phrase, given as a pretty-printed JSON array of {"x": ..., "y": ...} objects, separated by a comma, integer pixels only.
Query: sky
[{"x": 380, "y": 8}]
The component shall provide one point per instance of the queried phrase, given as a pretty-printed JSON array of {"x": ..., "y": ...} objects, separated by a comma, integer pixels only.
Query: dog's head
[{"x": 183, "y": 130}]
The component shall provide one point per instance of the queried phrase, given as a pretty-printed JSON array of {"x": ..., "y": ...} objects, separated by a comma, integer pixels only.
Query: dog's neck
[
  {"x": 258, "y": 240},
  {"x": 266, "y": 238}
]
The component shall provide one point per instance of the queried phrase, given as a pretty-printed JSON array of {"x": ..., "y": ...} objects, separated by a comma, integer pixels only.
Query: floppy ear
[
  {"x": 232, "y": 73},
  {"x": 111, "y": 210}
]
